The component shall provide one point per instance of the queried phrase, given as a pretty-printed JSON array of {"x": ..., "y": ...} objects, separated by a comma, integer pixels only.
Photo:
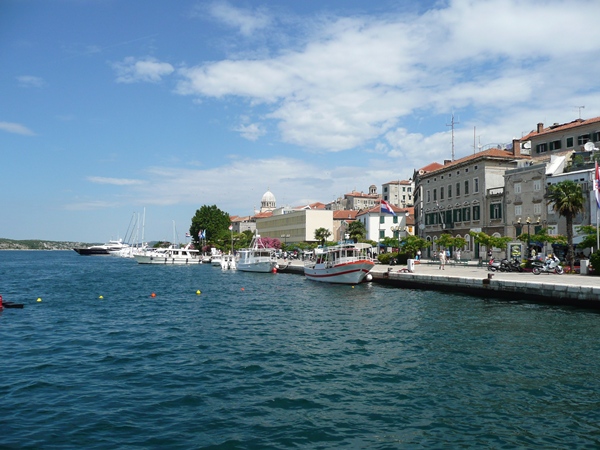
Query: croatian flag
[
  {"x": 387, "y": 208},
  {"x": 597, "y": 185},
  {"x": 187, "y": 234},
  {"x": 230, "y": 227}
]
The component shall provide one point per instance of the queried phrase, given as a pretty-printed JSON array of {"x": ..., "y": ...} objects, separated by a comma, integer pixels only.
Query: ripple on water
[{"x": 282, "y": 362}]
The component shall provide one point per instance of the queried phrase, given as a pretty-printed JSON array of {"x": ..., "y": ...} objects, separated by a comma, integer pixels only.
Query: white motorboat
[
  {"x": 103, "y": 249},
  {"x": 215, "y": 257},
  {"x": 171, "y": 255},
  {"x": 257, "y": 258},
  {"x": 344, "y": 263},
  {"x": 228, "y": 262}
]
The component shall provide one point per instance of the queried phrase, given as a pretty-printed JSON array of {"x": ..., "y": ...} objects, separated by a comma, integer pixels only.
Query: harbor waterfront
[
  {"x": 473, "y": 279},
  {"x": 119, "y": 355}
]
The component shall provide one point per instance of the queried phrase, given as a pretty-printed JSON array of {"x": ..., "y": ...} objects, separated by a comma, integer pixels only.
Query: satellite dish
[{"x": 589, "y": 146}]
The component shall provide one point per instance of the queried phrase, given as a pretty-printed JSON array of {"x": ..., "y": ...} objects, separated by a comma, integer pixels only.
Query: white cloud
[
  {"x": 251, "y": 131},
  {"x": 30, "y": 81},
  {"x": 132, "y": 70},
  {"x": 355, "y": 79},
  {"x": 16, "y": 128},
  {"x": 244, "y": 20},
  {"x": 115, "y": 181}
]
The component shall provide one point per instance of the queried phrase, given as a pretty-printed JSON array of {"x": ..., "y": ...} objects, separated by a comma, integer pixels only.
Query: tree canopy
[{"x": 214, "y": 222}]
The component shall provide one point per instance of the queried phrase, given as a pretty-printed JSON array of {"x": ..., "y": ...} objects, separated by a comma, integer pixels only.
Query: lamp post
[
  {"x": 285, "y": 236},
  {"x": 528, "y": 221}
]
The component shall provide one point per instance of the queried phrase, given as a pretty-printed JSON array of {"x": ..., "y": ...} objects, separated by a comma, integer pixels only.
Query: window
[
  {"x": 385, "y": 198},
  {"x": 537, "y": 209},
  {"x": 581, "y": 140},
  {"x": 381, "y": 219},
  {"x": 435, "y": 195},
  {"x": 541, "y": 148},
  {"x": 537, "y": 185},
  {"x": 381, "y": 234},
  {"x": 495, "y": 211},
  {"x": 466, "y": 214},
  {"x": 466, "y": 187},
  {"x": 517, "y": 188},
  {"x": 555, "y": 145},
  {"x": 449, "y": 191},
  {"x": 596, "y": 136},
  {"x": 475, "y": 185},
  {"x": 569, "y": 142},
  {"x": 476, "y": 212},
  {"x": 395, "y": 219},
  {"x": 457, "y": 189},
  {"x": 428, "y": 196},
  {"x": 442, "y": 193},
  {"x": 518, "y": 210},
  {"x": 458, "y": 215}
]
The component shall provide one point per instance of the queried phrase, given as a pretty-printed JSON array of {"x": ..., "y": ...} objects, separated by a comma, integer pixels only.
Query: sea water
[{"x": 233, "y": 360}]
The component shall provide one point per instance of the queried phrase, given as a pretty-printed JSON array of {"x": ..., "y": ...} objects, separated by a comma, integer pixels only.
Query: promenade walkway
[{"x": 579, "y": 290}]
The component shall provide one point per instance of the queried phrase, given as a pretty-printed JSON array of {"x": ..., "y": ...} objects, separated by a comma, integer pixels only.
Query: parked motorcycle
[
  {"x": 514, "y": 265},
  {"x": 550, "y": 266},
  {"x": 494, "y": 265}
]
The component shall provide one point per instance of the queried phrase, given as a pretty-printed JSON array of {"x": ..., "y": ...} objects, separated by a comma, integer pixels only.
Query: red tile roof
[
  {"x": 560, "y": 127},
  {"x": 491, "y": 153},
  {"x": 345, "y": 214}
]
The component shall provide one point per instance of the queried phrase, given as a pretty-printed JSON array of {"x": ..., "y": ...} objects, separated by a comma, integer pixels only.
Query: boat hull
[
  {"x": 261, "y": 267},
  {"x": 348, "y": 273},
  {"x": 92, "y": 251},
  {"x": 150, "y": 259}
]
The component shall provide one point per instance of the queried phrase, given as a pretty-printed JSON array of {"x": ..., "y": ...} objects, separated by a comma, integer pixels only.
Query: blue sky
[{"x": 108, "y": 107}]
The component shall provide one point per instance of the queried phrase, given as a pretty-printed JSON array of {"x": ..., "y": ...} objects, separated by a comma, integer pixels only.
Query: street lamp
[
  {"x": 285, "y": 236},
  {"x": 528, "y": 221}
]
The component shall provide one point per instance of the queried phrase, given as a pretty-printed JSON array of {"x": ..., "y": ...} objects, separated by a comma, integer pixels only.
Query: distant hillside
[{"x": 37, "y": 244}]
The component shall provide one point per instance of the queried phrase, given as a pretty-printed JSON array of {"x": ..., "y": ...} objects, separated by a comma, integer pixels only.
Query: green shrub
[{"x": 595, "y": 262}]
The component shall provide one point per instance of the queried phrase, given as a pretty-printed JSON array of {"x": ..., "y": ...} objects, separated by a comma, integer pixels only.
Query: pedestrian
[
  {"x": 435, "y": 254},
  {"x": 442, "y": 260},
  {"x": 418, "y": 255},
  {"x": 490, "y": 254},
  {"x": 457, "y": 255}
]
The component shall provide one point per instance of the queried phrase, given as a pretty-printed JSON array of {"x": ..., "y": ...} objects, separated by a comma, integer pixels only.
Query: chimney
[
  {"x": 447, "y": 161},
  {"x": 540, "y": 127},
  {"x": 516, "y": 147}
]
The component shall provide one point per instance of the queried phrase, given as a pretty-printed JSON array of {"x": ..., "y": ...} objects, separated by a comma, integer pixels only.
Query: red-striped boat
[{"x": 344, "y": 263}]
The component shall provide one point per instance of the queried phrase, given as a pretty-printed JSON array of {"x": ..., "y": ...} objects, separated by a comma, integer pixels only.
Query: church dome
[{"x": 268, "y": 201}]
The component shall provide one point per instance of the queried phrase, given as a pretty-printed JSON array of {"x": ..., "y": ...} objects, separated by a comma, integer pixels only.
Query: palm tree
[
  {"x": 567, "y": 200},
  {"x": 321, "y": 235}
]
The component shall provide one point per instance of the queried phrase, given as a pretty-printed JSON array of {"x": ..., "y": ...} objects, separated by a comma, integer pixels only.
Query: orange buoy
[{"x": 153, "y": 295}]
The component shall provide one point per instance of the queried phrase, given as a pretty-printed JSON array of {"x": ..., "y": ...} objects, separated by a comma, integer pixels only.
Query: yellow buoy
[
  {"x": 198, "y": 292},
  {"x": 39, "y": 299},
  {"x": 101, "y": 297}
]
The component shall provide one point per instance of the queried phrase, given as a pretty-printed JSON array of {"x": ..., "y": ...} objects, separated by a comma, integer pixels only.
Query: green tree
[
  {"x": 213, "y": 221},
  {"x": 589, "y": 238},
  {"x": 357, "y": 230},
  {"x": 411, "y": 244},
  {"x": 488, "y": 241},
  {"x": 567, "y": 200},
  {"x": 321, "y": 235}
]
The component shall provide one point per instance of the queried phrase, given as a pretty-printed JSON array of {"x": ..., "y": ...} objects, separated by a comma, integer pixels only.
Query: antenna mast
[
  {"x": 451, "y": 124},
  {"x": 580, "y": 108}
]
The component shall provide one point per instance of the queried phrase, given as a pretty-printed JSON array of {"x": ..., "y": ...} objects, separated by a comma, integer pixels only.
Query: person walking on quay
[{"x": 442, "y": 260}]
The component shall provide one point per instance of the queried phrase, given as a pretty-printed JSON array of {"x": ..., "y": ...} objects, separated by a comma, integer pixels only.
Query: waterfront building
[
  {"x": 295, "y": 225},
  {"x": 241, "y": 224},
  {"x": 380, "y": 225},
  {"x": 464, "y": 195}
]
